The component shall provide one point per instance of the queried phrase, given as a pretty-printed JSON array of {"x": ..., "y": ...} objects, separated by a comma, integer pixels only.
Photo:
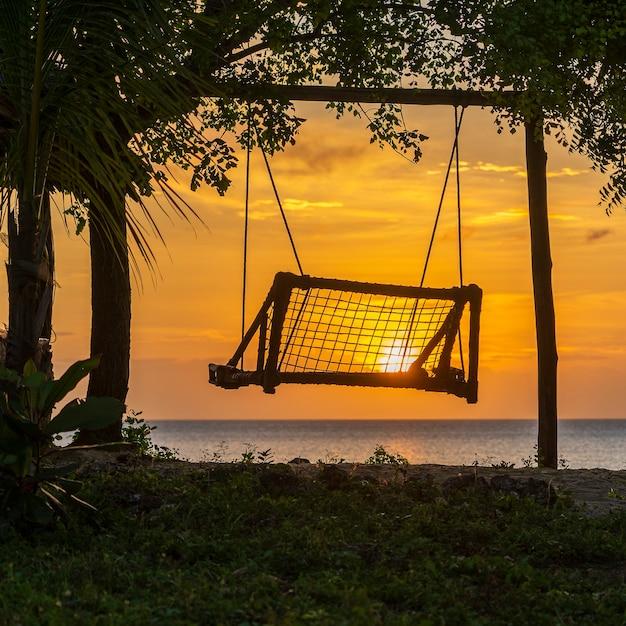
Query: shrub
[
  {"x": 135, "y": 430},
  {"x": 30, "y": 492},
  {"x": 382, "y": 457}
]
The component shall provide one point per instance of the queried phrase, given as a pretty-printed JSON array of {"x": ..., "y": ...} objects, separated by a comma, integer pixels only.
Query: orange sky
[{"x": 361, "y": 213}]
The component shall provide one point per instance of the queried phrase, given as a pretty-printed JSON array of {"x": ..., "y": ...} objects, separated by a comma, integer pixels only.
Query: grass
[{"x": 256, "y": 545}]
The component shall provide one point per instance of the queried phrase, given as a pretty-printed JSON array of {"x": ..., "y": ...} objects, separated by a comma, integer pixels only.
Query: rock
[
  {"x": 299, "y": 461},
  {"x": 462, "y": 482},
  {"x": 422, "y": 487},
  {"x": 504, "y": 483},
  {"x": 334, "y": 477},
  {"x": 279, "y": 479},
  {"x": 538, "y": 489}
]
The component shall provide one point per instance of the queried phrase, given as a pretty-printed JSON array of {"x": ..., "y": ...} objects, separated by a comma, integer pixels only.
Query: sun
[{"x": 394, "y": 357}]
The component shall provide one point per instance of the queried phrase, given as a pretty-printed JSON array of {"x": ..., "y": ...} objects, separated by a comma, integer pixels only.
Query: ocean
[{"x": 582, "y": 443}]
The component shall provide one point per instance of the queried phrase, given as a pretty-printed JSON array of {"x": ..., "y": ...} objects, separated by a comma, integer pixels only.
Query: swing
[{"x": 341, "y": 332}]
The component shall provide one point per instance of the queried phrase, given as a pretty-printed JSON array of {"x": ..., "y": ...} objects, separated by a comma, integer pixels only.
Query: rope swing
[{"x": 328, "y": 331}]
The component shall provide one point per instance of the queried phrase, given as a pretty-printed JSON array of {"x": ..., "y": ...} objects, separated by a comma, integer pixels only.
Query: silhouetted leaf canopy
[{"x": 133, "y": 86}]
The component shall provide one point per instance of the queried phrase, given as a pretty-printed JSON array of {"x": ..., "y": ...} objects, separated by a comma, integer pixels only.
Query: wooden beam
[
  {"x": 545, "y": 325},
  {"x": 365, "y": 95}
]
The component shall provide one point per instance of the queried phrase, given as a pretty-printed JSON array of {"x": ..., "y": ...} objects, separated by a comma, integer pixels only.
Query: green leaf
[
  {"x": 29, "y": 368},
  {"x": 9, "y": 375},
  {"x": 7, "y": 459},
  {"x": 90, "y": 414},
  {"x": 34, "y": 380},
  {"x": 33, "y": 386},
  {"x": 24, "y": 426},
  {"x": 55, "y": 390}
]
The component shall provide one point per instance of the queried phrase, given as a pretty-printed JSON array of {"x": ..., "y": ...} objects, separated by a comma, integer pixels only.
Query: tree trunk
[
  {"x": 536, "y": 161},
  {"x": 110, "y": 318},
  {"x": 30, "y": 276}
]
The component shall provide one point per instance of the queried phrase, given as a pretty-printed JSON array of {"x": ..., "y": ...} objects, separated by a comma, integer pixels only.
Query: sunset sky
[{"x": 361, "y": 213}]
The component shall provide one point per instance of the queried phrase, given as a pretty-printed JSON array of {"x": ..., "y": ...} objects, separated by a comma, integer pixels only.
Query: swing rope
[
  {"x": 454, "y": 152},
  {"x": 457, "y": 125},
  {"x": 245, "y": 234},
  {"x": 246, "y": 227},
  {"x": 280, "y": 206}
]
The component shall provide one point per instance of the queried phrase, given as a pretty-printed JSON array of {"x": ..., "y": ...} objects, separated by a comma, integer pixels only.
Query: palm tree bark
[
  {"x": 30, "y": 276},
  {"x": 110, "y": 316}
]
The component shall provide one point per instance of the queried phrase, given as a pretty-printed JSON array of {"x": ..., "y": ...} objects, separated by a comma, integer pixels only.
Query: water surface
[{"x": 583, "y": 443}]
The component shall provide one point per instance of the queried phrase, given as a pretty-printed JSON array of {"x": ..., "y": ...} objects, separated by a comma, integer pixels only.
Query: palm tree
[{"x": 77, "y": 79}]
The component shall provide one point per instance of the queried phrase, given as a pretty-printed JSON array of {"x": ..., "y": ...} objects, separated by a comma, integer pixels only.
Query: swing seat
[{"x": 339, "y": 332}]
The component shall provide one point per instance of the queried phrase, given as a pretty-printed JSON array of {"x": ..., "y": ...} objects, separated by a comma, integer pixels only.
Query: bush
[
  {"x": 382, "y": 457},
  {"x": 135, "y": 430},
  {"x": 31, "y": 494}
]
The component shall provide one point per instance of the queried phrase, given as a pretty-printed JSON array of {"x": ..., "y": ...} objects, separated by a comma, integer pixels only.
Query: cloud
[
  {"x": 259, "y": 216},
  {"x": 295, "y": 204},
  {"x": 498, "y": 217},
  {"x": 595, "y": 234},
  {"x": 291, "y": 205},
  {"x": 563, "y": 172},
  {"x": 307, "y": 159},
  {"x": 567, "y": 171},
  {"x": 494, "y": 167},
  {"x": 512, "y": 215},
  {"x": 464, "y": 166},
  {"x": 564, "y": 217},
  {"x": 518, "y": 170}
]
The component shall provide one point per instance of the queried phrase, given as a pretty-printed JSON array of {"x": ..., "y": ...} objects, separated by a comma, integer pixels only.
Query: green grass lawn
[{"x": 257, "y": 545}]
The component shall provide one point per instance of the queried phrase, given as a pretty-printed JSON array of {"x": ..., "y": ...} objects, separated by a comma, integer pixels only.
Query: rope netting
[
  {"x": 338, "y": 332},
  {"x": 328, "y": 330}
]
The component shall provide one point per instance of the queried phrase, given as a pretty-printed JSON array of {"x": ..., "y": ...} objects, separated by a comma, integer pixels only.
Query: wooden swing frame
[{"x": 536, "y": 169}]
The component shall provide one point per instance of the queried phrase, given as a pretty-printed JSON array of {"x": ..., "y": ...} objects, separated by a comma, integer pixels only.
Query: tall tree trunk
[
  {"x": 110, "y": 317},
  {"x": 545, "y": 324},
  {"x": 30, "y": 276}
]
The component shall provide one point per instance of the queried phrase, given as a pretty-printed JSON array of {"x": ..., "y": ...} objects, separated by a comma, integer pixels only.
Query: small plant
[
  {"x": 30, "y": 492},
  {"x": 216, "y": 456},
  {"x": 491, "y": 461},
  {"x": 330, "y": 459},
  {"x": 532, "y": 460},
  {"x": 135, "y": 430},
  {"x": 502, "y": 464},
  {"x": 382, "y": 457},
  {"x": 616, "y": 495},
  {"x": 251, "y": 454}
]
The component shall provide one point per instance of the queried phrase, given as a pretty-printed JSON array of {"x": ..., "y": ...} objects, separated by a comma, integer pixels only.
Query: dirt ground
[{"x": 597, "y": 491}]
